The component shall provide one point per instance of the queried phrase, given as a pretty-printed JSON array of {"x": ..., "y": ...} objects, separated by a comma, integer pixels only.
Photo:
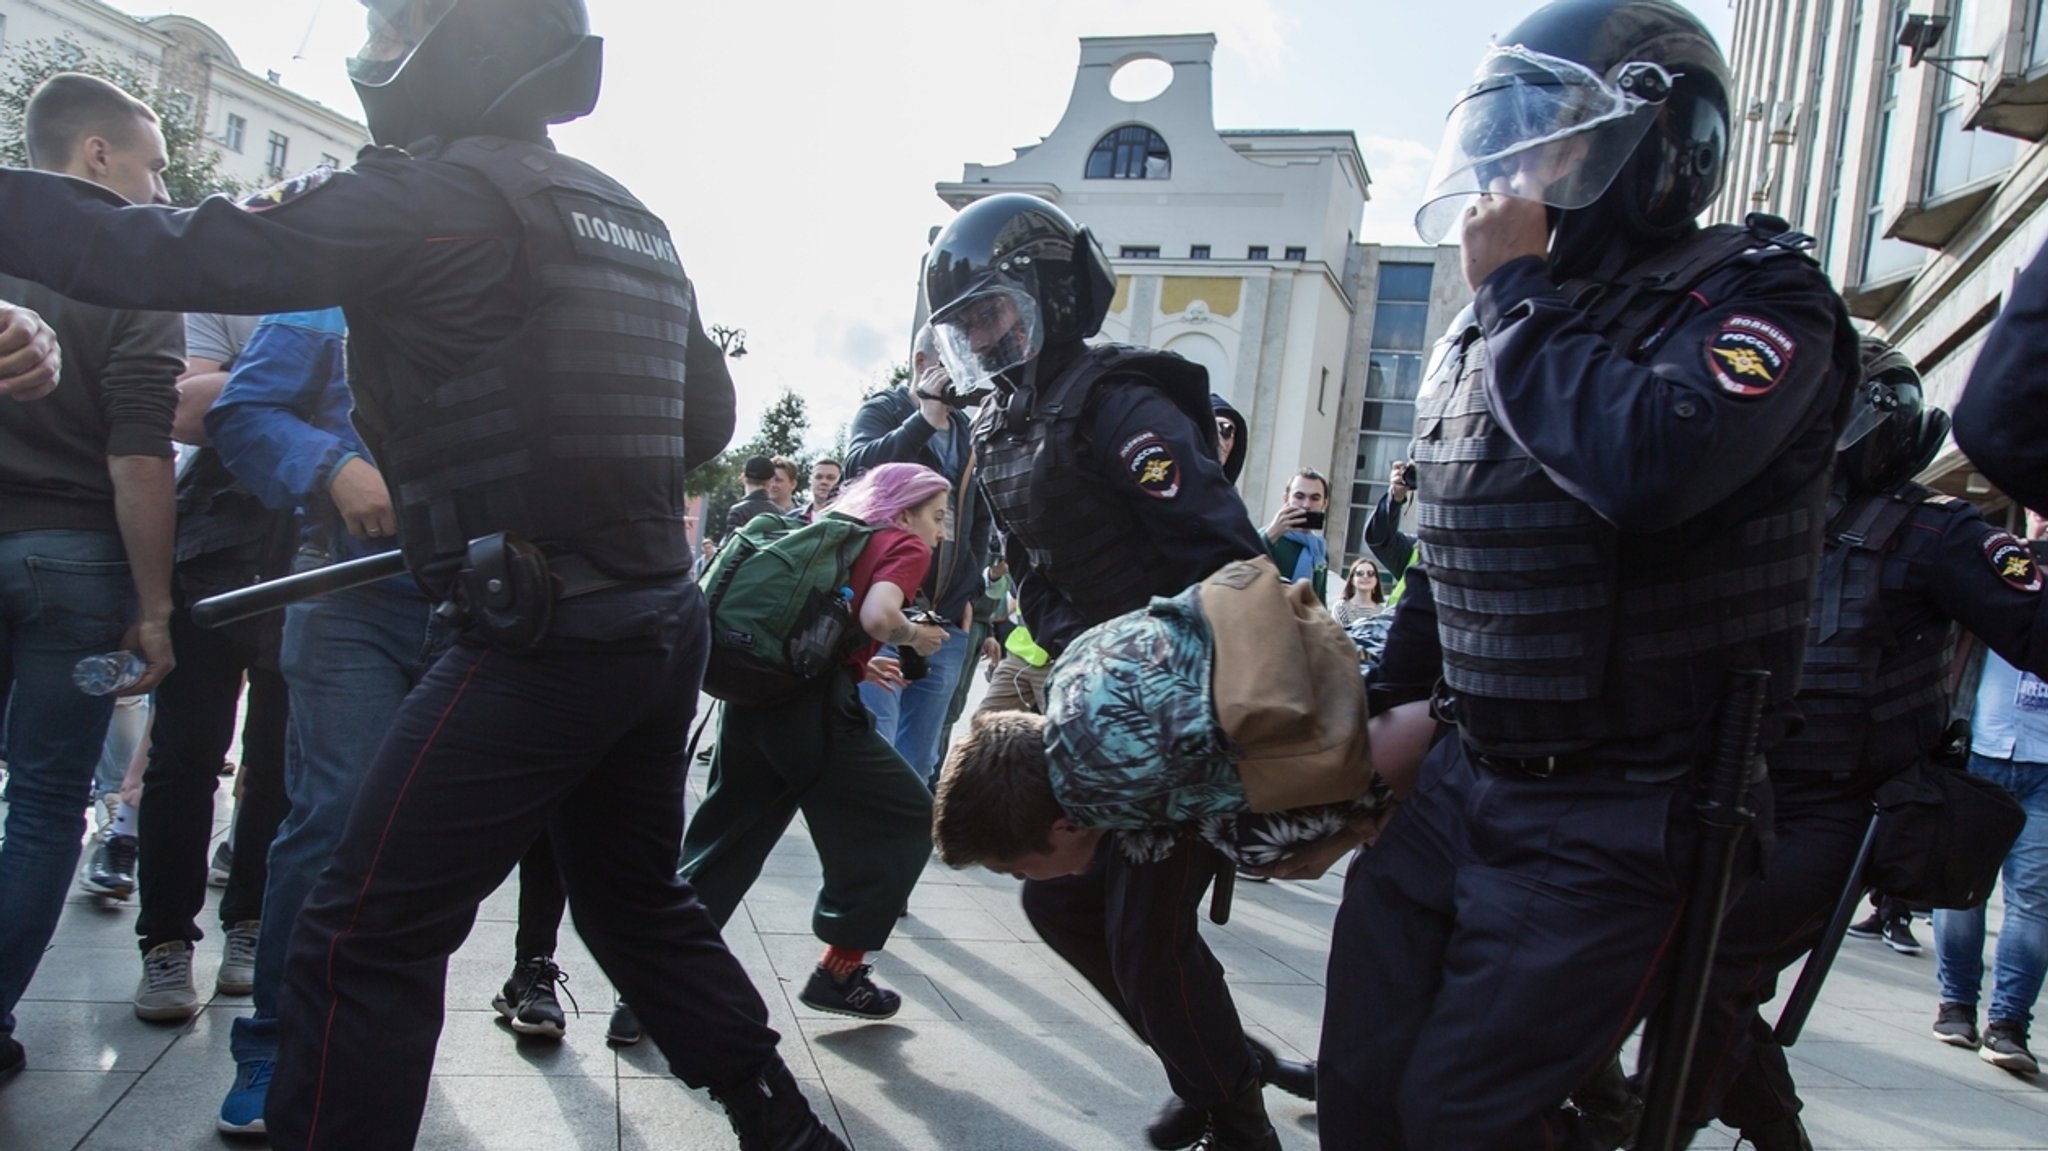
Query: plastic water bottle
[{"x": 109, "y": 673}]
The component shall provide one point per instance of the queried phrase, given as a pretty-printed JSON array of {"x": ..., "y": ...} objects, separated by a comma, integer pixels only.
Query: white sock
[{"x": 124, "y": 820}]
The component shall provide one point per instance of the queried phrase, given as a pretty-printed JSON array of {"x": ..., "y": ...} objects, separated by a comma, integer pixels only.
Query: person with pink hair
[{"x": 869, "y": 812}]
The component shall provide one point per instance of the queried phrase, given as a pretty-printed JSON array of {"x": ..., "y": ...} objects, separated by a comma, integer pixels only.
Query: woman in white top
[{"x": 1363, "y": 598}]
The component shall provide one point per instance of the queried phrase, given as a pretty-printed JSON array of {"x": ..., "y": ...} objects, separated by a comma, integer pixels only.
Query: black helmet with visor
[
  {"x": 1616, "y": 109},
  {"x": 454, "y": 68},
  {"x": 1008, "y": 278},
  {"x": 1892, "y": 432}
]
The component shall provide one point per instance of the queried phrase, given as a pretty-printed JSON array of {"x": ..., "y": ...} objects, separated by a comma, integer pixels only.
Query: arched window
[{"x": 1132, "y": 152}]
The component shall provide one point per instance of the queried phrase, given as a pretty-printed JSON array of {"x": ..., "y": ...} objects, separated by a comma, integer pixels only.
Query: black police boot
[
  {"x": 1178, "y": 1124},
  {"x": 768, "y": 1113},
  {"x": 1290, "y": 1075},
  {"x": 1241, "y": 1124},
  {"x": 1787, "y": 1134}
]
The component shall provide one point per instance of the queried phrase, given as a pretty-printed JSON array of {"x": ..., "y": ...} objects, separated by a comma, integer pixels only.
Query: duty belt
[{"x": 1546, "y": 766}]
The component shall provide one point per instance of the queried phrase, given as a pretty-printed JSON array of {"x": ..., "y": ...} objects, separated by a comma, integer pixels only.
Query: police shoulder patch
[
  {"x": 1151, "y": 465},
  {"x": 1749, "y": 356},
  {"x": 280, "y": 194},
  {"x": 2010, "y": 557}
]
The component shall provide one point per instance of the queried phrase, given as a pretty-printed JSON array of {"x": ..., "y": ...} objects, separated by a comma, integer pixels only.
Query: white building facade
[
  {"x": 1231, "y": 248},
  {"x": 1907, "y": 138},
  {"x": 263, "y": 131}
]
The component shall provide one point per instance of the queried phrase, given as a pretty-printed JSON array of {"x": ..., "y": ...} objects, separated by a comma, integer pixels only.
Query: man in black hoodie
[
  {"x": 1233, "y": 434},
  {"x": 914, "y": 425}
]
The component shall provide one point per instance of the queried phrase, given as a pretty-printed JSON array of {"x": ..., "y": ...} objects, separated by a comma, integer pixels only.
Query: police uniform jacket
[
  {"x": 1902, "y": 568},
  {"x": 1621, "y": 493},
  {"x": 1138, "y": 459},
  {"x": 443, "y": 280},
  {"x": 2001, "y": 422}
]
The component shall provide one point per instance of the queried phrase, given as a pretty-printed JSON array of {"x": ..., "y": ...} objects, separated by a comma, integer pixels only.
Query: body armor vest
[
  {"x": 571, "y": 433},
  {"x": 1873, "y": 686},
  {"x": 1086, "y": 545},
  {"x": 1562, "y": 633}
]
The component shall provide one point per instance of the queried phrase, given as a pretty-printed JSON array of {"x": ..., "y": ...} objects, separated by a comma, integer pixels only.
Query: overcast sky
[{"x": 792, "y": 146}]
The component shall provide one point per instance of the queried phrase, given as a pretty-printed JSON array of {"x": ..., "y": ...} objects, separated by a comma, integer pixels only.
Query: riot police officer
[
  {"x": 1623, "y": 450},
  {"x": 526, "y": 358},
  {"x": 1903, "y": 564},
  {"x": 1101, "y": 467}
]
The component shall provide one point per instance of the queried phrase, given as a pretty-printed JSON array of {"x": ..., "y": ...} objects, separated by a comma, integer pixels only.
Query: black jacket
[
  {"x": 2002, "y": 418},
  {"x": 888, "y": 429}
]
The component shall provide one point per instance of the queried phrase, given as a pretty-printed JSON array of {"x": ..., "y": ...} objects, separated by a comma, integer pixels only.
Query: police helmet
[
  {"x": 453, "y": 68},
  {"x": 1009, "y": 277},
  {"x": 1891, "y": 433},
  {"x": 1615, "y": 109}
]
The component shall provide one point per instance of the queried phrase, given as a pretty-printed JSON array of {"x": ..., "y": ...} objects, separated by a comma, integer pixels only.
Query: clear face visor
[
  {"x": 1539, "y": 128},
  {"x": 396, "y": 30},
  {"x": 1883, "y": 398},
  {"x": 986, "y": 333}
]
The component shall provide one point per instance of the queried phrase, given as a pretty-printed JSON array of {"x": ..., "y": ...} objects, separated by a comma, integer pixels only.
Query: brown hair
[
  {"x": 785, "y": 464},
  {"x": 1379, "y": 583},
  {"x": 71, "y": 106},
  {"x": 995, "y": 799}
]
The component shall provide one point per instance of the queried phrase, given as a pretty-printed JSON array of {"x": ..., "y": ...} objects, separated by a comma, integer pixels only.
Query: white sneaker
[
  {"x": 166, "y": 993},
  {"x": 238, "y": 962}
]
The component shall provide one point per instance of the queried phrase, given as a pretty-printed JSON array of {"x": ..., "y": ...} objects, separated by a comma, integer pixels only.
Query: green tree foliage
[
  {"x": 783, "y": 427},
  {"x": 194, "y": 171}
]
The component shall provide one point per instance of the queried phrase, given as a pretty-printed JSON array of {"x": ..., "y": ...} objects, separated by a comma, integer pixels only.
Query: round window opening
[{"x": 1136, "y": 81}]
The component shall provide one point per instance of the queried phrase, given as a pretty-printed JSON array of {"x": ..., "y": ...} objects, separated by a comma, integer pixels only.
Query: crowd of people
[{"x": 1659, "y": 528}]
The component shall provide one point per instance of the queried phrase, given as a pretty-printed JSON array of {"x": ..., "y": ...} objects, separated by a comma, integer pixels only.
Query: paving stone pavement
[{"x": 999, "y": 1047}]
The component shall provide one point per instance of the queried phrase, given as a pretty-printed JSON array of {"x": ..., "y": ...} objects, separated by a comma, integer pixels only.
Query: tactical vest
[
  {"x": 1086, "y": 545},
  {"x": 1562, "y": 633},
  {"x": 1872, "y": 693},
  {"x": 570, "y": 434}
]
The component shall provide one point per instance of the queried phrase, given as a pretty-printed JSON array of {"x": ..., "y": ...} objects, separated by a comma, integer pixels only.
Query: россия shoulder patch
[
  {"x": 280, "y": 194},
  {"x": 2010, "y": 557},
  {"x": 1749, "y": 356},
  {"x": 1151, "y": 465}
]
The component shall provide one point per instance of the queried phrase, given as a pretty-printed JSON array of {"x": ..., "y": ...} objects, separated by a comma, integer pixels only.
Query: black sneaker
[
  {"x": 624, "y": 1029},
  {"x": 112, "y": 871},
  {"x": 1869, "y": 927},
  {"x": 528, "y": 1001},
  {"x": 1898, "y": 935},
  {"x": 855, "y": 995},
  {"x": 1956, "y": 1025},
  {"x": 2005, "y": 1047},
  {"x": 13, "y": 1057}
]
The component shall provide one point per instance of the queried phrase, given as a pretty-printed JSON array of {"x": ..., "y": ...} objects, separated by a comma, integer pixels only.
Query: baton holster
[{"x": 505, "y": 592}]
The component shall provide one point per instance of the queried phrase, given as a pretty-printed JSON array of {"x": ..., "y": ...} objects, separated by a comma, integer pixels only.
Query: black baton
[
  {"x": 1806, "y": 992},
  {"x": 1724, "y": 815},
  {"x": 271, "y": 595}
]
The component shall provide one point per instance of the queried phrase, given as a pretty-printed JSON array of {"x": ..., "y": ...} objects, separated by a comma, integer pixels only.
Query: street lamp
[{"x": 731, "y": 341}]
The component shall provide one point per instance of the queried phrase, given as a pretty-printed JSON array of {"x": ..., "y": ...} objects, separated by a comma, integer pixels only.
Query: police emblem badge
[{"x": 1748, "y": 356}]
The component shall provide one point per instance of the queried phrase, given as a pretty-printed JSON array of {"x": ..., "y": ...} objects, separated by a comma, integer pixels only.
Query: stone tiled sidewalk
[{"x": 998, "y": 1047}]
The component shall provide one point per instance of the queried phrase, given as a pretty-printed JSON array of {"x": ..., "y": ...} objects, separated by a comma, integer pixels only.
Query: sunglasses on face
[{"x": 1225, "y": 431}]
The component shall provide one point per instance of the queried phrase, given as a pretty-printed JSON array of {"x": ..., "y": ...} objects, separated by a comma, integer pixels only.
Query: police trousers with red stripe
[
  {"x": 582, "y": 737},
  {"x": 1492, "y": 952},
  {"x": 1129, "y": 929}
]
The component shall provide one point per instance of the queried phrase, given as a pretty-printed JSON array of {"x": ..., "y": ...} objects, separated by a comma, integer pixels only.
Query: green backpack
[{"x": 781, "y": 606}]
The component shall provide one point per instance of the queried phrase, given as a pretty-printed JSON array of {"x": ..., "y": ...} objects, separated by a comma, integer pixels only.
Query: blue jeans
[
  {"x": 63, "y": 596},
  {"x": 911, "y": 718},
  {"x": 2023, "y": 936},
  {"x": 349, "y": 660}
]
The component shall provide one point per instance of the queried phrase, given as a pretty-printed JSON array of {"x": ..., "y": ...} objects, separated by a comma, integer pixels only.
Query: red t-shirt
[{"x": 893, "y": 555}]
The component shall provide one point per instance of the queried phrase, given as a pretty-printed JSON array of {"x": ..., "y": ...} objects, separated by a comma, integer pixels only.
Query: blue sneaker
[{"x": 241, "y": 1113}]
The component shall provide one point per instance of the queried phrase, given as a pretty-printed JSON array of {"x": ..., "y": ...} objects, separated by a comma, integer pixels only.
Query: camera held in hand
[
  {"x": 1408, "y": 476},
  {"x": 914, "y": 666}
]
